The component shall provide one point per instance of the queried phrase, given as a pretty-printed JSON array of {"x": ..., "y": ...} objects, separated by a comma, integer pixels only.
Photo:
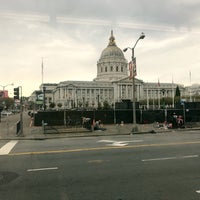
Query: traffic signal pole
[
  {"x": 18, "y": 95},
  {"x": 21, "y": 113}
]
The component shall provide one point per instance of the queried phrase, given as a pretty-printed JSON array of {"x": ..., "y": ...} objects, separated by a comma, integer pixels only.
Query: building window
[
  {"x": 111, "y": 68},
  {"x": 63, "y": 93},
  {"x": 105, "y": 69},
  {"x": 122, "y": 69},
  {"x": 83, "y": 92},
  {"x": 78, "y": 92},
  {"x": 106, "y": 92},
  {"x": 101, "y": 69},
  {"x": 117, "y": 69}
]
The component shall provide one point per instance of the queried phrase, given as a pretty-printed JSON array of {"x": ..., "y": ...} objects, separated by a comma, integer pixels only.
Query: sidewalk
[
  {"x": 111, "y": 129},
  {"x": 8, "y": 130}
]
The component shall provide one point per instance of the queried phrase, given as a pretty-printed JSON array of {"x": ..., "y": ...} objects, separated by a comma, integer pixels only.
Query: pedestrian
[
  {"x": 179, "y": 121},
  {"x": 31, "y": 118},
  {"x": 174, "y": 120},
  {"x": 96, "y": 125},
  {"x": 99, "y": 126}
]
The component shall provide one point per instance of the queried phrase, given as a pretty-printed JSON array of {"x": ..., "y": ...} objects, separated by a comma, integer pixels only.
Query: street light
[
  {"x": 4, "y": 86},
  {"x": 142, "y": 36}
]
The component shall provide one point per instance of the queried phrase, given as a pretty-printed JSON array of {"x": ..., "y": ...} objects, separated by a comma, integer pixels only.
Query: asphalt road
[{"x": 138, "y": 167}]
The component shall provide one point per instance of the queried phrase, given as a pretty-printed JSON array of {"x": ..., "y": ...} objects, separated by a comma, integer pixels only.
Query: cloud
[{"x": 71, "y": 35}]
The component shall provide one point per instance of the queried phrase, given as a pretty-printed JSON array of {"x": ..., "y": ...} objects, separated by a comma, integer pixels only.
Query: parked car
[{"x": 6, "y": 113}]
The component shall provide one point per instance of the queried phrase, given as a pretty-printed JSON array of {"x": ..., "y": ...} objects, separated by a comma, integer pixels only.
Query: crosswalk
[{"x": 7, "y": 148}]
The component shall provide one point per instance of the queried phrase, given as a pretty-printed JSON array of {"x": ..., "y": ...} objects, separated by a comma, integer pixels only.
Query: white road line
[
  {"x": 42, "y": 169},
  {"x": 170, "y": 158},
  {"x": 191, "y": 156},
  {"x": 106, "y": 141},
  {"x": 6, "y": 149},
  {"x": 124, "y": 141},
  {"x": 119, "y": 143}
]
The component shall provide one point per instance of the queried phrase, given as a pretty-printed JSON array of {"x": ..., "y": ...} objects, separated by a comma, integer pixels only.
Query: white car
[{"x": 6, "y": 113}]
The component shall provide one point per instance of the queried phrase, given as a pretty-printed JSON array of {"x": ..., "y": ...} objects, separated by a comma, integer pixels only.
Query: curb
[
  {"x": 71, "y": 134},
  {"x": 76, "y": 135}
]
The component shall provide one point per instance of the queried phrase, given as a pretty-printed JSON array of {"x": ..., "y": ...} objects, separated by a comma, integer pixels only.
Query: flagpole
[
  {"x": 172, "y": 92},
  {"x": 43, "y": 87},
  {"x": 147, "y": 96},
  {"x": 158, "y": 94},
  {"x": 190, "y": 86},
  {"x": 42, "y": 72}
]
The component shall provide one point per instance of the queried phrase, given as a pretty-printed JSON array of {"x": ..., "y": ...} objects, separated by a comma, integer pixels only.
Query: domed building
[
  {"x": 112, "y": 84},
  {"x": 112, "y": 64}
]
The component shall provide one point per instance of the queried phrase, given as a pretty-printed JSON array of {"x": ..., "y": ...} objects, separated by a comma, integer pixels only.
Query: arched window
[
  {"x": 105, "y": 69},
  {"x": 117, "y": 69},
  {"x": 122, "y": 69},
  {"x": 111, "y": 68}
]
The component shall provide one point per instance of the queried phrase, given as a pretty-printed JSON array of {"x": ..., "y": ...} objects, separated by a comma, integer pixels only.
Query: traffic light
[{"x": 16, "y": 93}]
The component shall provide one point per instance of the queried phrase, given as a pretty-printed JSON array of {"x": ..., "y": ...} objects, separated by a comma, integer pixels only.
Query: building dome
[
  {"x": 112, "y": 51},
  {"x": 112, "y": 64}
]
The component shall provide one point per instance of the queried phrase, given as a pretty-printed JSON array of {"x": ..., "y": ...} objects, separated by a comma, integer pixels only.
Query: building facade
[
  {"x": 4, "y": 93},
  {"x": 112, "y": 84}
]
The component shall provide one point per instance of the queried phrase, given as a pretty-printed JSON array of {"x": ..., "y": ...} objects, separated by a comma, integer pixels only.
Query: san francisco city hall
[{"x": 112, "y": 84}]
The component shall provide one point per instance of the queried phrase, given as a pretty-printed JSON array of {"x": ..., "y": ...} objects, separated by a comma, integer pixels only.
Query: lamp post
[
  {"x": 142, "y": 36},
  {"x": 4, "y": 86}
]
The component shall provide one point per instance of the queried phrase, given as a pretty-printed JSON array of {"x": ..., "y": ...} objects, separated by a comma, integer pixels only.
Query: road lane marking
[
  {"x": 42, "y": 169},
  {"x": 191, "y": 156},
  {"x": 6, "y": 149},
  {"x": 119, "y": 143},
  {"x": 97, "y": 161},
  {"x": 103, "y": 148},
  {"x": 106, "y": 141},
  {"x": 170, "y": 158},
  {"x": 157, "y": 159}
]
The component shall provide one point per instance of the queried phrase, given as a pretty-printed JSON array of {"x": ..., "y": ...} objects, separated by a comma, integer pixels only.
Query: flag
[
  {"x": 132, "y": 68},
  {"x": 130, "y": 65}
]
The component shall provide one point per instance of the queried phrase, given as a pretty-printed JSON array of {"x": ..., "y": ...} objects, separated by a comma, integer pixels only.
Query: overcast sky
[{"x": 70, "y": 35}]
